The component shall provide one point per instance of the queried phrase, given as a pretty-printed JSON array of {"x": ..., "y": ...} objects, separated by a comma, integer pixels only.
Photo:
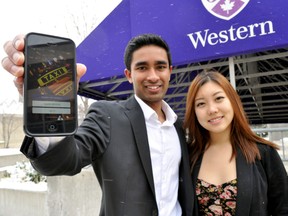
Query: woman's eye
[
  {"x": 220, "y": 98},
  {"x": 200, "y": 104}
]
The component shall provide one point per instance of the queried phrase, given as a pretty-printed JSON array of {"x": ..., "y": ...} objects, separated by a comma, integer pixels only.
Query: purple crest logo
[{"x": 225, "y": 9}]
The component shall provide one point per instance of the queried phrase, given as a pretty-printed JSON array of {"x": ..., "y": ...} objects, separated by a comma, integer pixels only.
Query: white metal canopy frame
[{"x": 260, "y": 79}]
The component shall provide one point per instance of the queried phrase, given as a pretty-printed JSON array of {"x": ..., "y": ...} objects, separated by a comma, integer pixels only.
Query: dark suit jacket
[
  {"x": 262, "y": 186},
  {"x": 113, "y": 138}
]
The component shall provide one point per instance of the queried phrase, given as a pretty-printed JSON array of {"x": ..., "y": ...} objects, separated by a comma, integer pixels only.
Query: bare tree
[
  {"x": 9, "y": 122},
  {"x": 82, "y": 108},
  {"x": 82, "y": 24}
]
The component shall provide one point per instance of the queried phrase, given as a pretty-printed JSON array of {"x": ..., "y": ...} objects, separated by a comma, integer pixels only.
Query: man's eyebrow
[
  {"x": 146, "y": 63},
  {"x": 161, "y": 62},
  {"x": 141, "y": 63}
]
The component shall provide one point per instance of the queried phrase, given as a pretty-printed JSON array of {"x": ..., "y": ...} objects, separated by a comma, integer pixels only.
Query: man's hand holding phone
[{"x": 49, "y": 75}]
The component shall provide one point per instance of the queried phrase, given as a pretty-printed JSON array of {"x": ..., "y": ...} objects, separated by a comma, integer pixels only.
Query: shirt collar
[{"x": 171, "y": 116}]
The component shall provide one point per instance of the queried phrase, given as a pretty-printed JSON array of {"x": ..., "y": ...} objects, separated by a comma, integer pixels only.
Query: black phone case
[{"x": 50, "y": 88}]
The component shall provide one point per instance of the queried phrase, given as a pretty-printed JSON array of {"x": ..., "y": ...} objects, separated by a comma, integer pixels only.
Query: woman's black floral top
[{"x": 216, "y": 199}]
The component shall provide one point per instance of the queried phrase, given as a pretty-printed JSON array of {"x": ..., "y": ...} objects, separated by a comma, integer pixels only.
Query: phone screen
[{"x": 50, "y": 104}]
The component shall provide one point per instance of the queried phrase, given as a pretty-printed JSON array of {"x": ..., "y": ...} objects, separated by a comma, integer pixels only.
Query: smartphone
[{"x": 50, "y": 87}]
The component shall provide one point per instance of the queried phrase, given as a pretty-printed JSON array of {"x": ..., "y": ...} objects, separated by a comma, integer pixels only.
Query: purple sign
[{"x": 195, "y": 30}]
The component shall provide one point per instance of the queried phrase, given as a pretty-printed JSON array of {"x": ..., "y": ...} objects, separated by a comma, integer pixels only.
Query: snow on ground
[
  {"x": 21, "y": 176},
  {"x": 7, "y": 183}
]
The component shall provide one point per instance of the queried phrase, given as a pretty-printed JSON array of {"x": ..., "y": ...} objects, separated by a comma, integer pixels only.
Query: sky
[{"x": 57, "y": 17}]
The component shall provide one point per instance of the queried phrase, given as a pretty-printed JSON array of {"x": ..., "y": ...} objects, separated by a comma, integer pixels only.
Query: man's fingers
[
  {"x": 81, "y": 70},
  {"x": 14, "y": 51},
  {"x": 14, "y": 60},
  {"x": 15, "y": 70},
  {"x": 18, "y": 42}
]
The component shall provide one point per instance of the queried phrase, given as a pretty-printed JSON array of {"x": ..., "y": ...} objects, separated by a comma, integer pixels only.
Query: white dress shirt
[{"x": 165, "y": 154}]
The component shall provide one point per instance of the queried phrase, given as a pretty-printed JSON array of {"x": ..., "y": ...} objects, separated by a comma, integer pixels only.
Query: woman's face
[{"x": 213, "y": 108}]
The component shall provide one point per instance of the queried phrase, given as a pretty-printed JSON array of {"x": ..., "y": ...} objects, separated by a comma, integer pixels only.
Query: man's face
[{"x": 150, "y": 74}]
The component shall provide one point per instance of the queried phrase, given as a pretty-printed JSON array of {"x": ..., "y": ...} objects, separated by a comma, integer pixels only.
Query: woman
[{"x": 234, "y": 171}]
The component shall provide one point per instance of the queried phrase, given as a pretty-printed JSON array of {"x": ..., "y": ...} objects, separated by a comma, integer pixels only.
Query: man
[{"x": 136, "y": 147}]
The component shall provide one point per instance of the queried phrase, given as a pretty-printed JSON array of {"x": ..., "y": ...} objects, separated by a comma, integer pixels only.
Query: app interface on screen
[{"x": 50, "y": 74}]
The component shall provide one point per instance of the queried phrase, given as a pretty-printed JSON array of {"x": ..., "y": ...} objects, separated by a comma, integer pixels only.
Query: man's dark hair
[{"x": 144, "y": 40}]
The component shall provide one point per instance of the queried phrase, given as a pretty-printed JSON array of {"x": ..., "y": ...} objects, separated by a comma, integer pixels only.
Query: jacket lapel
[
  {"x": 185, "y": 192},
  {"x": 244, "y": 185},
  {"x": 135, "y": 115}
]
